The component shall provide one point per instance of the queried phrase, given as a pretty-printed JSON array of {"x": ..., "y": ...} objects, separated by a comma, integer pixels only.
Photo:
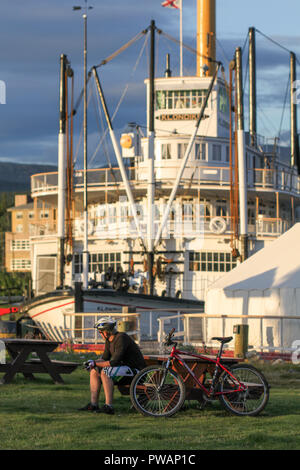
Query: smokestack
[{"x": 206, "y": 38}]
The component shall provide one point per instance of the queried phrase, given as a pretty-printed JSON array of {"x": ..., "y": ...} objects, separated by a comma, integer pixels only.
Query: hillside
[{"x": 15, "y": 177}]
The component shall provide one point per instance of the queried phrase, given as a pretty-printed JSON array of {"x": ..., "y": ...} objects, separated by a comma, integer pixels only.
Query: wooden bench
[{"x": 20, "y": 350}]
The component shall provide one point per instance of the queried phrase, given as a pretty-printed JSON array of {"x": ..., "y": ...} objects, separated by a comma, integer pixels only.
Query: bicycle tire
[
  {"x": 250, "y": 402},
  {"x": 149, "y": 400}
]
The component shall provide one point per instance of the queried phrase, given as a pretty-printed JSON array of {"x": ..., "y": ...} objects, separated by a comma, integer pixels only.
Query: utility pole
[{"x": 85, "y": 253}]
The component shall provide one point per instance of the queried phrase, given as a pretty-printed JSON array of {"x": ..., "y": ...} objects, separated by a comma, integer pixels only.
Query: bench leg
[
  {"x": 50, "y": 367},
  {"x": 14, "y": 355},
  {"x": 16, "y": 364}
]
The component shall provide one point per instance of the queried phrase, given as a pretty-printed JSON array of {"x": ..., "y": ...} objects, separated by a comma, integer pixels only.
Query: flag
[{"x": 171, "y": 4}]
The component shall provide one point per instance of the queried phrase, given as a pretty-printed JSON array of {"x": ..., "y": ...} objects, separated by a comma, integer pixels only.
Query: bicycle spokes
[
  {"x": 157, "y": 392},
  {"x": 244, "y": 393}
]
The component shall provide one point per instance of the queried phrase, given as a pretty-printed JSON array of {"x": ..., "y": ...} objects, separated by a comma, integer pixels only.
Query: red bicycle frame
[{"x": 176, "y": 354}]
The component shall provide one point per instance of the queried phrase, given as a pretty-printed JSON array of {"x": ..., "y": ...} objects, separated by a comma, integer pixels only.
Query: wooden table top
[
  {"x": 24, "y": 341},
  {"x": 205, "y": 358}
]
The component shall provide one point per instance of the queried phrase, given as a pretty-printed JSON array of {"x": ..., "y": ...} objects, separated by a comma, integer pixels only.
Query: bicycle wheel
[
  {"x": 253, "y": 399},
  {"x": 158, "y": 392}
]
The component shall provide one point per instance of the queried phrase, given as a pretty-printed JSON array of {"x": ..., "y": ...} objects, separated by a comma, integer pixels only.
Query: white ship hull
[{"x": 54, "y": 314}]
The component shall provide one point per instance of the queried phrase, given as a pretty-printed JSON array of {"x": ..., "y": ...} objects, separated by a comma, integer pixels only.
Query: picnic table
[
  {"x": 198, "y": 365},
  {"x": 20, "y": 350}
]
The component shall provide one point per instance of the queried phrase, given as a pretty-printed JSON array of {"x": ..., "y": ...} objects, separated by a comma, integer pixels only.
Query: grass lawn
[{"x": 40, "y": 415}]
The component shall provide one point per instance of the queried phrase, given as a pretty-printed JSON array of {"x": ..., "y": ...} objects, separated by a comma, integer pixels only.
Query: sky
[{"x": 33, "y": 35}]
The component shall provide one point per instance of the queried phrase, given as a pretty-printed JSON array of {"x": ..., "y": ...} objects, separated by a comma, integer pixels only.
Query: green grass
[{"x": 40, "y": 415}]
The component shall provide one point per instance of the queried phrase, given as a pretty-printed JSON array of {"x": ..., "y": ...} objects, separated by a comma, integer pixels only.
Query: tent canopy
[{"x": 275, "y": 266}]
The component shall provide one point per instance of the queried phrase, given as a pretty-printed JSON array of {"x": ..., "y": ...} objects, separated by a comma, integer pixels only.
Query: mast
[
  {"x": 151, "y": 182},
  {"x": 62, "y": 141},
  {"x": 242, "y": 164},
  {"x": 85, "y": 257},
  {"x": 294, "y": 135},
  {"x": 252, "y": 87}
]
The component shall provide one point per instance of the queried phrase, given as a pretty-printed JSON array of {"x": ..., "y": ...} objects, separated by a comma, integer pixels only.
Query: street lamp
[{"x": 85, "y": 258}]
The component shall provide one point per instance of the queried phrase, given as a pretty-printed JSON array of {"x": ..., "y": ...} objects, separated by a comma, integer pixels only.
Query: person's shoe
[
  {"x": 89, "y": 407},
  {"x": 106, "y": 409}
]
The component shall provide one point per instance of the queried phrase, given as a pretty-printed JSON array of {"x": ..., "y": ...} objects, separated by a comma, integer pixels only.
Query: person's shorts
[{"x": 120, "y": 373}]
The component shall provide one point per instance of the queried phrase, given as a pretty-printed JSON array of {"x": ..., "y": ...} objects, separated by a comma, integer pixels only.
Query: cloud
[{"x": 34, "y": 33}]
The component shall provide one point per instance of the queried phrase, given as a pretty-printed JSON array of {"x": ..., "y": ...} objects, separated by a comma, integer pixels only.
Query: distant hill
[{"x": 15, "y": 177}]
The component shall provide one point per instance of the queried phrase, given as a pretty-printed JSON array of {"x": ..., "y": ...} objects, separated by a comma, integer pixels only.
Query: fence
[
  {"x": 261, "y": 327},
  {"x": 80, "y": 326}
]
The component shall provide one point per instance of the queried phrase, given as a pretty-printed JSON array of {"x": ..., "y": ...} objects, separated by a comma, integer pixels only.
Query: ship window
[
  {"x": 221, "y": 209},
  {"x": 98, "y": 262},
  {"x": 227, "y": 153},
  {"x": 166, "y": 151},
  {"x": 216, "y": 152},
  {"x": 207, "y": 261},
  {"x": 200, "y": 151},
  {"x": 181, "y": 150}
]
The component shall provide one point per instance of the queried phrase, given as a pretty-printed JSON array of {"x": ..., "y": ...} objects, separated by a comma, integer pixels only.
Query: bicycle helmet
[{"x": 106, "y": 324}]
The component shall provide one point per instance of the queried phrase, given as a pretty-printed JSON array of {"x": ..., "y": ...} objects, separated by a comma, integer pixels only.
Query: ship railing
[
  {"x": 267, "y": 226},
  {"x": 193, "y": 225},
  {"x": 188, "y": 225},
  {"x": 267, "y": 333},
  {"x": 281, "y": 178},
  {"x": 48, "y": 182},
  {"x": 80, "y": 326}
]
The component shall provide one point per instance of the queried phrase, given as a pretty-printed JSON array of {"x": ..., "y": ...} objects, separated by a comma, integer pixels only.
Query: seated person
[{"x": 122, "y": 358}]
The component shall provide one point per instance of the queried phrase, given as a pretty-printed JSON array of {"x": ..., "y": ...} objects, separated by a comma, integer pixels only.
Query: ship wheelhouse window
[
  {"x": 200, "y": 151},
  {"x": 207, "y": 261},
  {"x": 177, "y": 99},
  {"x": 166, "y": 151}
]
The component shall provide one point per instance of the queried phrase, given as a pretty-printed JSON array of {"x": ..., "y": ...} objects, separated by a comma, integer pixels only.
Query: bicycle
[{"x": 159, "y": 391}]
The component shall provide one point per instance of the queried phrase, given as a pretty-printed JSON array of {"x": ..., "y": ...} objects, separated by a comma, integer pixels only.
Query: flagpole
[{"x": 181, "y": 52}]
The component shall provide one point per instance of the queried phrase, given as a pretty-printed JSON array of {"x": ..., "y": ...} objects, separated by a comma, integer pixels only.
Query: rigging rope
[
  {"x": 121, "y": 99},
  {"x": 273, "y": 41},
  {"x": 123, "y": 48},
  {"x": 191, "y": 49},
  {"x": 284, "y": 106}
]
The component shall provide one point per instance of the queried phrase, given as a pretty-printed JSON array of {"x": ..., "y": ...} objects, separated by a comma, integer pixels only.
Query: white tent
[{"x": 266, "y": 284}]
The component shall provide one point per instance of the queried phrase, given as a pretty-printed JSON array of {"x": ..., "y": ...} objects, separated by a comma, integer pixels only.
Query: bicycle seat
[{"x": 223, "y": 340}]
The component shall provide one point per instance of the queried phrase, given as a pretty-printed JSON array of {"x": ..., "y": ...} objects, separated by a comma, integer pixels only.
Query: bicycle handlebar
[{"x": 168, "y": 339}]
